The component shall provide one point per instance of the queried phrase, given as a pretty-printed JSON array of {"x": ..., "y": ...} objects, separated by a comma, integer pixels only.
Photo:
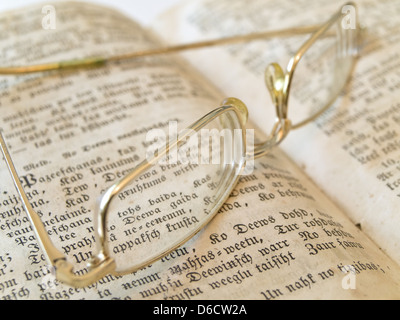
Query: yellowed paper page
[
  {"x": 72, "y": 134},
  {"x": 352, "y": 151}
]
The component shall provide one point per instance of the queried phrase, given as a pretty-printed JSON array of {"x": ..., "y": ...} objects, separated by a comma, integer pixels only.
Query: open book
[{"x": 317, "y": 218}]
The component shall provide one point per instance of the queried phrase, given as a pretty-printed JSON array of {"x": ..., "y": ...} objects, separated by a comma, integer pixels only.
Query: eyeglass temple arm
[
  {"x": 99, "y": 61},
  {"x": 64, "y": 269}
]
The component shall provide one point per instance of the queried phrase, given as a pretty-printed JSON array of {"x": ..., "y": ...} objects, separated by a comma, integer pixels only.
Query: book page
[
  {"x": 72, "y": 134},
  {"x": 352, "y": 151}
]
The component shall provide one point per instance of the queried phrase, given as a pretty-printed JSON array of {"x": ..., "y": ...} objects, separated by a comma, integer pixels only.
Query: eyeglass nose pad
[
  {"x": 275, "y": 81},
  {"x": 240, "y": 107}
]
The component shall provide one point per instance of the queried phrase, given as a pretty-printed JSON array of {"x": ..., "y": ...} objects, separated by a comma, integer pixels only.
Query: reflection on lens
[
  {"x": 322, "y": 73},
  {"x": 176, "y": 197}
]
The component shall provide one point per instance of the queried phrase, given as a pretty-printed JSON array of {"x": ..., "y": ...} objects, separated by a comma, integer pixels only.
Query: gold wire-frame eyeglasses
[{"x": 234, "y": 114}]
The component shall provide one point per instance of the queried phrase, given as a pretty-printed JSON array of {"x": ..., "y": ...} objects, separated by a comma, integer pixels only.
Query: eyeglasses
[{"x": 177, "y": 190}]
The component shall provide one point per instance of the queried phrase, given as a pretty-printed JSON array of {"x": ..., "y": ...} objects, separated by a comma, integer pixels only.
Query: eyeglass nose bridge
[{"x": 276, "y": 82}]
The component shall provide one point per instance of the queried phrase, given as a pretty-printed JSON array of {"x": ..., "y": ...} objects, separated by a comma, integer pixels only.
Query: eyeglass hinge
[{"x": 65, "y": 274}]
